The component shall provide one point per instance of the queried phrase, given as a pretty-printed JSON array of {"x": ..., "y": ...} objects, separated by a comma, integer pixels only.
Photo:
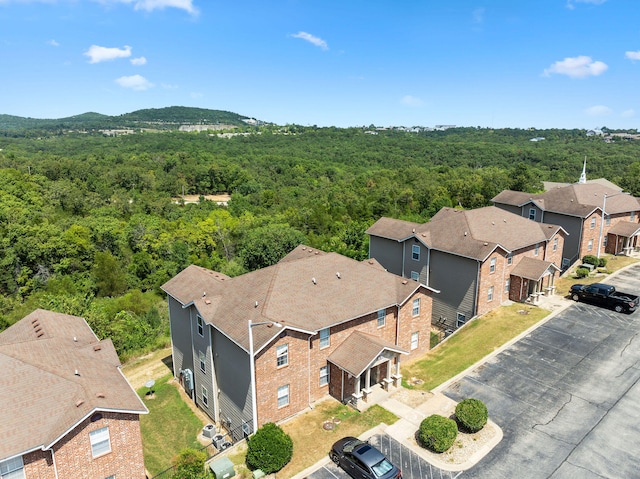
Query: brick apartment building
[
  {"x": 321, "y": 324},
  {"x": 67, "y": 412}
]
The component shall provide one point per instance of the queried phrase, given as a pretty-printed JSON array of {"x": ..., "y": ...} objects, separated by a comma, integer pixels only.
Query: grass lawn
[
  {"x": 470, "y": 344},
  {"x": 169, "y": 427},
  {"x": 614, "y": 263},
  {"x": 311, "y": 442}
]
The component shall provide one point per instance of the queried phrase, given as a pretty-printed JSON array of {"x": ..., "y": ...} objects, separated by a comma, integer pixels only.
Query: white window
[
  {"x": 607, "y": 220},
  {"x": 282, "y": 355},
  {"x": 283, "y": 396},
  {"x": 324, "y": 375},
  {"x": 532, "y": 214},
  {"x": 555, "y": 244},
  {"x": 415, "y": 276},
  {"x": 200, "y": 326},
  {"x": 590, "y": 245},
  {"x": 382, "y": 314},
  {"x": 415, "y": 252},
  {"x": 415, "y": 311},
  {"x": 460, "y": 319},
  {"x": 507, "y": 285},
  {"x": 537, "y": 250},
  {"x": 112, "y": 476},
  {"x": 490, "y": 294},
  {"x": 100, "y": 442},
  {"x": 325, "y": 340},
  {"x": 593, "y": 223},
  {"x": 203, "y": 364},
  {"x": 604, "y": 241},
  {"x": 632, "y": 216},
  {"x": 12, "y": 468},
  {"x": 510, "y": 258},
  {"x": 205, "y": 396},
  {"x": 415, "y": 338},
  {"x": 492, "y": 265}
]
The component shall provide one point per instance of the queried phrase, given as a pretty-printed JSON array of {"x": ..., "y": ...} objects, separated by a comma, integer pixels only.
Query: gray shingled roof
[
  {"x": 286, "y": 293},
  {"x": 625, "y": 228},
  {"x": 533, "y": 269},
  {"x": 579, "y": 199},
  {"x": 472, "y": 233},
  {"x": 359, "y": 351},
  {"x": 42, "y": 398}
]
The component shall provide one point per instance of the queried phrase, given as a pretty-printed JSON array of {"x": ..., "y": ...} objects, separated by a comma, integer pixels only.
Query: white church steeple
[{"x": 583, "y": 176}]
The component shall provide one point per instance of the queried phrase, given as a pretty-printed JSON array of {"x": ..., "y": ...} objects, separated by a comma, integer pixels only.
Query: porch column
[
  {"x": 367, "y": 382},
  {"x": 357, "y": 395},
  {"x": 387, "y": 379},
  {"x": 397, "y": 376}
]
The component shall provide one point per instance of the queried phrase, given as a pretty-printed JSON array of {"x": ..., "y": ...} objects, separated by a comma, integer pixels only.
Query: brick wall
[
  {"x": 496, "y": 280},
  {"x": 302, "y": 373},
  {"x": 73, "y": 453},
  {"x": 590, "y": 234},
  {"x": 38, "y": 465}
]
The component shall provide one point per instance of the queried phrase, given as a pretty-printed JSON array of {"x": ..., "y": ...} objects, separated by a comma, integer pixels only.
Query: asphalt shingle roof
[
  {"x": 309, "y": 290},
  {"x": 56, "y": 373},
  {"x": 360, "y": 350}
]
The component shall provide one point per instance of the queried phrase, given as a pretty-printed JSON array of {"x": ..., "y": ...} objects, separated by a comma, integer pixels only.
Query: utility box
[{"x": 222, "y": 468}]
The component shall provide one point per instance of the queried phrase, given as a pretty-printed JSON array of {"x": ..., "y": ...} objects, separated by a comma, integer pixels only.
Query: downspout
[
  {"x": 309, "y": 369},
  {"x": 428, "y": 264},
  {"x": 403, "y": 249},
  {"x": 398, "y": 328},
  {"x": 53, "y": 458},
  {"x": 477, "y": 300},
  {"x": 193, "y": 355}
]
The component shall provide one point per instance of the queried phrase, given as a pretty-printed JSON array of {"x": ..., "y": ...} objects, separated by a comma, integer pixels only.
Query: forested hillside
[{"x": 88, "y": 225}]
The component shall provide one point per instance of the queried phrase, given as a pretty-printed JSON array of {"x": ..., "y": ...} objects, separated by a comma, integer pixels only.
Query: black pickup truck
[{"x": 604, "y": 295}]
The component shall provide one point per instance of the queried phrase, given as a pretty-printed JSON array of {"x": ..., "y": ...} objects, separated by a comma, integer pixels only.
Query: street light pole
[
  {"x": 604, "y": 206},
  {"x": 254, "y": 402}
]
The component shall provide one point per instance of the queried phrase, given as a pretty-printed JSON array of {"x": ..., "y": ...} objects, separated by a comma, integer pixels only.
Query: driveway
[{"x": 566, "y": 396}]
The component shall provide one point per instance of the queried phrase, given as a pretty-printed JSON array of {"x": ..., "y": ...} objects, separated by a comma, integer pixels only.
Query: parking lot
[
  {"x": 565, "y": 396},
  {"x": 412, "y": 465}
]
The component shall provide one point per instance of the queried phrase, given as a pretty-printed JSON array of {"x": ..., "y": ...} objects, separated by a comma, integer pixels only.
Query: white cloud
[
  {"x": 598, "y": 110},
  {"x": 135, "y": 82},
  {"x": 478, "y": 15},
  {"x": 53, "y": 43},
  {"x": 628, "y": 113},
  {"x": 571, "y": 3},
  {"x": 138, "y": 61},
  {"x": 410, "y": 100},
  {"x": 168, "y": 86},
  {"x": 632, "y": 55},
  {"x": 196, "y": 95},
  {"x": 318, "y": 42},
  {"x": 150, "y": 5},
  {"x": 577, "y": 67},
  {"x": 99, "y": 54}
]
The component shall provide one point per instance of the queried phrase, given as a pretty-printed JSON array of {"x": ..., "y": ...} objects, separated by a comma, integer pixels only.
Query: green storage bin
[{"x": 222, "y": 468}]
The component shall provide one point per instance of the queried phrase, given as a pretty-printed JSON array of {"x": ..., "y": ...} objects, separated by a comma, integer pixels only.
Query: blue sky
[{"x": 491, "y": 63}]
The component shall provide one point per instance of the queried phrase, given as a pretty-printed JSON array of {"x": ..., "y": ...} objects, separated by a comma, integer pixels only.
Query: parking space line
[{"x": 325, "y": 468}]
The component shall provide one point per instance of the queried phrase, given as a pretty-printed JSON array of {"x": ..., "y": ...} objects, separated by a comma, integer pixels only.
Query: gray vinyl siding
[
  {"x": 202, "y": 344},
  {"x": 516, "y": 210},
  {"x": 419, "y": 265},
  {"x": 573, "y": 225},
  {"x": 233, "y": 378},
  {"x": 387, "y": 252},
  {"x": 456, "y": 278},
  {"x": 180, "y": 337}
]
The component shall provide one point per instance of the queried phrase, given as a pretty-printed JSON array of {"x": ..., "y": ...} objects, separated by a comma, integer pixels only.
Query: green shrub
[
  {"x": 591, "y": 259},
  {"x": 582, "y": 273},
  {"x": 190, "y": 464},
  {"x": 437, "y": 433},
  {"x": 471, "y": 414},
  {"x": 269, "y": 449},
  {"x": 602, "y": 262}
]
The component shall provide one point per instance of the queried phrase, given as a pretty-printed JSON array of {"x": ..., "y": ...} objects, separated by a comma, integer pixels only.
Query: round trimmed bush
[
  {"x": 437, "y": 433},
  {"x": 472, "y": 414},
  {"x": 269, "y": 449},
  {"x": 582, "y": 273}
]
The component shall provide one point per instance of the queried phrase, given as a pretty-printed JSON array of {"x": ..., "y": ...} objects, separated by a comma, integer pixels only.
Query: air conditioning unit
[
  {"x": 220, "y": 442},
  {"x": 209, "y": 431}
]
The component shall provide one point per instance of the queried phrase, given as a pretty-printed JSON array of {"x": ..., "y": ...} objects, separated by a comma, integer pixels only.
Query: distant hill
[{"x": 165, "y": 118}]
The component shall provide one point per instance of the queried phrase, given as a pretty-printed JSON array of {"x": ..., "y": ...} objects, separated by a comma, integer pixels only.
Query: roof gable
[{"x": 60, "y": 373}]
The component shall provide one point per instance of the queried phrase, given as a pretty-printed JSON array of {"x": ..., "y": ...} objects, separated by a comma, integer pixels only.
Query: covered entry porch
[
  {"x": 531, "y": 279},
  {"x": 364, "y": 369},
  {"x": 622, "y": 238}
]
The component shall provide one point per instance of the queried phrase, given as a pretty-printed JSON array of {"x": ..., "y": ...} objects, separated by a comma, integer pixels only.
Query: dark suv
[{"x": 361, "y": 460}]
